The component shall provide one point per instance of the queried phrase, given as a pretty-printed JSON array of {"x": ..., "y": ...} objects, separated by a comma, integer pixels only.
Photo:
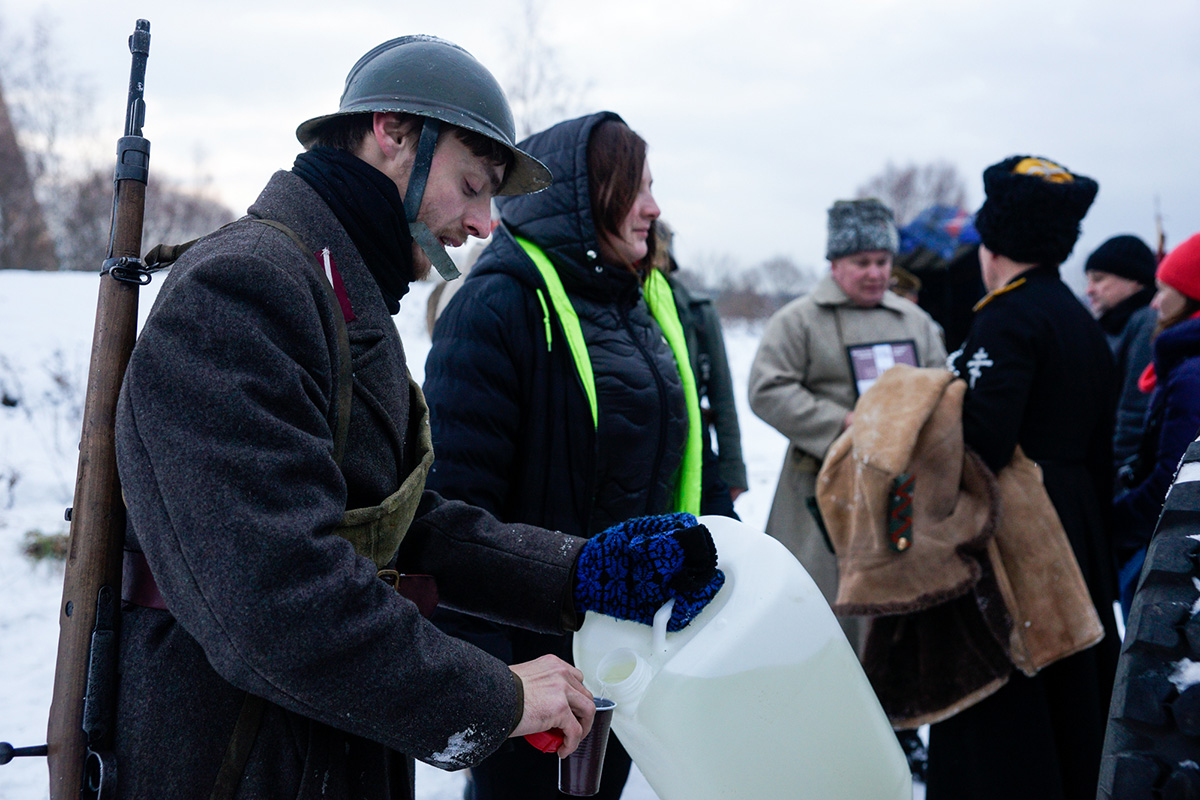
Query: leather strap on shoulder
[{"x": 345, "y": 378}]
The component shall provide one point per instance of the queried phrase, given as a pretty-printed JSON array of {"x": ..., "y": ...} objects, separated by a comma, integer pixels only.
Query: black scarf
[
  {"x": 1114, "y": 320},
  {"x": 369, "y": 206}
]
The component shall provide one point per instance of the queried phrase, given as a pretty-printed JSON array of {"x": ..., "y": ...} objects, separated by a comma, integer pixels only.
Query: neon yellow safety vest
[{"x": 661, "y": 303}]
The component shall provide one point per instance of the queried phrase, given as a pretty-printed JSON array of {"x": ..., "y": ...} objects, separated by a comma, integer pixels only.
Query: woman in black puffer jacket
[{"x": 521, "y": 428}]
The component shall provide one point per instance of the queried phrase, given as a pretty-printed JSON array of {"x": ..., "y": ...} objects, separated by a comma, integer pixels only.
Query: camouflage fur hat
[{"x": 859, "y": 225}]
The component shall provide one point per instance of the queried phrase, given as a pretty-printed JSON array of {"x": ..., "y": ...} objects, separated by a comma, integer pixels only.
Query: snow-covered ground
[{"x": 46, "y": 322}]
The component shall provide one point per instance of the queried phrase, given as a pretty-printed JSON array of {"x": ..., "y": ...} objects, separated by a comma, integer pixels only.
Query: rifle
[{"x": 82, "y": 709}]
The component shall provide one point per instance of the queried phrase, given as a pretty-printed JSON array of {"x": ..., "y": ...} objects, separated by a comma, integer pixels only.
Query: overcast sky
[{"x": 759, "y": 113}]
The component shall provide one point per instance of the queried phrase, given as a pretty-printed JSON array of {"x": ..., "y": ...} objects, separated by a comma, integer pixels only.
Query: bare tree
[
  {"x": 707, "y": 270},
  {"x": 757, "y": 292},
  {"x": 538, "y": 91},
  {"x": 43, "y": 105},
  {"x": 174, "y": 214},
  {"x": 910, "y": 189},
  {"x": 25, "y": 241},
  {"x": 781, "y": 276},
  {"x": 49, "y": 107},
  {"x": 85, "y": 211}
]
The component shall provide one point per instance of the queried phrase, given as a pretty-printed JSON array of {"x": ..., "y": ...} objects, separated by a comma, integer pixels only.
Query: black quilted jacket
[{"x": 512, "y": 429}]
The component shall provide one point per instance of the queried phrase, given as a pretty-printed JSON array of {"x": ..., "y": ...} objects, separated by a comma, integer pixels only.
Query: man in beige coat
[{"x": 817, "y": 355}]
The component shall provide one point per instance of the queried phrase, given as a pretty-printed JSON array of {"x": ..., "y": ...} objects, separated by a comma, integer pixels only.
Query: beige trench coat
[{"x": 801, "y": 384}]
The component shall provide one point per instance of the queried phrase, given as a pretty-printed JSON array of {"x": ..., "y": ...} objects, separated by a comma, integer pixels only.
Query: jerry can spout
[{"x": 623, "y": 676}]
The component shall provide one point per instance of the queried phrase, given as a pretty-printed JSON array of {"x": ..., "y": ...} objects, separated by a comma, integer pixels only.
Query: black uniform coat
[
  {"x": 224, "y": 443},
  {"x": 1040, "y": 375}
]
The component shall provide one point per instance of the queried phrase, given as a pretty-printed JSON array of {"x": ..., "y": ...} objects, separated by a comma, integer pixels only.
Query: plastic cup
[{"x": 579, "y": 773}]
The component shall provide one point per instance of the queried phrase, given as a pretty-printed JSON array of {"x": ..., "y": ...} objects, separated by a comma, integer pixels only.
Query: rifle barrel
[{"x": 92, "y": 576}]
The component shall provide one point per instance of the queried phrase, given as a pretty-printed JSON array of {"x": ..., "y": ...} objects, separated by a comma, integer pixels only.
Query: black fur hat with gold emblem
[{"x": 1033, "y": 209}]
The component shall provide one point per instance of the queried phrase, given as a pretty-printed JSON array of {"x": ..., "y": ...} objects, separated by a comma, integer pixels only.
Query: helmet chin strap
[{"x": 421, "y": 234}]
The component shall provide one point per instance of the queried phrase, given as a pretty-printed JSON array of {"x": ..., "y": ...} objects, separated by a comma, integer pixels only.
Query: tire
[{"x": 1152, "y": 744}]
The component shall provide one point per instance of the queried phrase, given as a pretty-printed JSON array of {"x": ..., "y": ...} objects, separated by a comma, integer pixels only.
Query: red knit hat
[{"x": 1181, "y": 268}]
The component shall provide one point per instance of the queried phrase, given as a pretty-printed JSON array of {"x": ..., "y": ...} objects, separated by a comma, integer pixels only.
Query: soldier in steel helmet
[{"x": 273, "y": 452}]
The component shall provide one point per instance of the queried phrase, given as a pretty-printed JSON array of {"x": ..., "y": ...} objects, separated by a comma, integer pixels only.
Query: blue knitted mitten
[{"x": 630, "y": 570}]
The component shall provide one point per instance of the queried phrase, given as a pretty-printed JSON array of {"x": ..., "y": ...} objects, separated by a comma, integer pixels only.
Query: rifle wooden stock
[{"x": 94, "y": 556}]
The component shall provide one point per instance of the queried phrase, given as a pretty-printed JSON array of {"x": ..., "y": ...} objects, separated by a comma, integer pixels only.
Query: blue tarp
[{"x": 941, "y": 230}]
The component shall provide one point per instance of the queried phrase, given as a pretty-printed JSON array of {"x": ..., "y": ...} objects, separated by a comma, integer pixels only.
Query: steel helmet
[{"x": 436, "y": 79}]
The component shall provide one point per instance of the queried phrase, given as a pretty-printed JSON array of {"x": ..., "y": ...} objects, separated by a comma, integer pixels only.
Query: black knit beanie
[
  {"x": 1033, "y": 209},
  {"x": 1126, "y": 256}
]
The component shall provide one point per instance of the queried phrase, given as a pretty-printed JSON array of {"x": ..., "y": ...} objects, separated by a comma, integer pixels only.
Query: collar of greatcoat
[{"x": 828, "y": 293}]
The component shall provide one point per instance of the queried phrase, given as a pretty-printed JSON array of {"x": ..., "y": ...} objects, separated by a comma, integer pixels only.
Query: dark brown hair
[
  {"x": 616, "y": 157},
  {"x": 347, "y": 133},
  {"x": 344, "y": 133},
  {"x": 1190, "y": 307}
]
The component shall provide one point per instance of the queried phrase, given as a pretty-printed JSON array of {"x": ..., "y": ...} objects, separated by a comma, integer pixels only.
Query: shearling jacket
[
  {"x": 224, "y": 443},
  {"x": 965, "y": 575}
]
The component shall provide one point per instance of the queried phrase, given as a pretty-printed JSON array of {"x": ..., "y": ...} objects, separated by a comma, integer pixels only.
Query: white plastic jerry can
[{"x": 761, "y": 696}]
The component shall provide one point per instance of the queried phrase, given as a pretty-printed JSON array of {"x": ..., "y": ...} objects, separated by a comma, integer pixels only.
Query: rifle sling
[
  {"x": 245, "y": 730},
  {"x": 164, "y": 255},
  {"x": 137, "y": 571},
  {"x": 241, "y": 742},
  {"x": 345, "y": 378}
]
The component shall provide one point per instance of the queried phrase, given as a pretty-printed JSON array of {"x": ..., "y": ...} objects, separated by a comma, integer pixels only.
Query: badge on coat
[{"x": 869, "y": 361}]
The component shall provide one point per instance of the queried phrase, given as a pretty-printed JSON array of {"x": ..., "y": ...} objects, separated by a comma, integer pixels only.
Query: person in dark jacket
[
  {"x": 1172, "y": 422},
  {"x": 561, "y": 392},
  {"x": 1039, "y": 375},
  {"x": 1120, "y": 285},
  {"x": 272, "y": 453},
  {"x": 724, "y": 472},
  {"x": 940, "y": 247}
]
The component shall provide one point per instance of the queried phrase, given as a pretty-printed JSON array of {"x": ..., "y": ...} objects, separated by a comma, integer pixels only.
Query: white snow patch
[
  {"x": 1186, "y": 675},
  {"x": 458, "y": 750},
  {"x": 1196, "y": 605}
]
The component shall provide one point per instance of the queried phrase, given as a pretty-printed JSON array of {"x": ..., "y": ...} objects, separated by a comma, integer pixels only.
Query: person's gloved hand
[{"x": 630, "y": 570}]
